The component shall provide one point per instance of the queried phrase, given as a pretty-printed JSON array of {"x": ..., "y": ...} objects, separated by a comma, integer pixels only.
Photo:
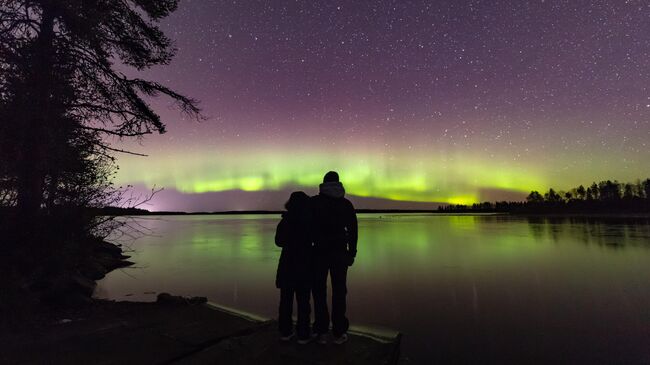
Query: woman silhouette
[{"x": 293, "y": 277}]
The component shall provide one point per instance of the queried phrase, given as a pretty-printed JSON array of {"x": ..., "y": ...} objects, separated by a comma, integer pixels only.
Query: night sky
[{"x": 419, "y": 101}]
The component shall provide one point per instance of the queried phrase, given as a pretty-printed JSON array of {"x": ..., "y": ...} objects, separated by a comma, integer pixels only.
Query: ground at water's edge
[{"x": 153, "y": 333}]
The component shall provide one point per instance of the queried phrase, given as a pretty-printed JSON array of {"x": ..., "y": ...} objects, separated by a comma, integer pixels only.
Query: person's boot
[
  {"x": 321, "y": 338},
  {"x": 341, "y": 339},
  {"x": 307, "y": 339},
  {"x": 287, "y": 338}
]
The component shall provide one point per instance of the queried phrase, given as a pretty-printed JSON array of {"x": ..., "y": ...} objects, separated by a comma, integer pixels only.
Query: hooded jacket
[
  {"x": 293, "y": 234},
  {"x": 335, "y": 221}
]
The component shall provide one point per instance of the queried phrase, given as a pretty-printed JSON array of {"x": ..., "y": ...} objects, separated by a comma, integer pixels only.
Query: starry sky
[{"x": 413, "y": 102}]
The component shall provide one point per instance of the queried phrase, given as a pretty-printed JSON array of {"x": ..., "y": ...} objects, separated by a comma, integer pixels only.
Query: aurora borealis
[{"x": 419, "y": 101}]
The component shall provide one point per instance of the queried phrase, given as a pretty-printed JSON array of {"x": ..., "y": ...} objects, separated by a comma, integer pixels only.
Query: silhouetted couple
[{"x": 318, "y": 236}]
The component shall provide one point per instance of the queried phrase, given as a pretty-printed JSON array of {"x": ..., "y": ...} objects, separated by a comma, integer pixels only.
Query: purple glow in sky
[{"x": 412, "y": 101}]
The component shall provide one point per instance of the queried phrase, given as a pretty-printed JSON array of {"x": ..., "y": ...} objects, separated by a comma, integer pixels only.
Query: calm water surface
[{"x": 462, "y": 288}]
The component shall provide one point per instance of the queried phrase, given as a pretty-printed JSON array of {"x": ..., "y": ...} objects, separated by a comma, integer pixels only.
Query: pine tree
[{"x": 59, "y": 83}]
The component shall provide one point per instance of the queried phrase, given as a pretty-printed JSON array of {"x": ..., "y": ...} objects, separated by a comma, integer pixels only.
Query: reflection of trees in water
[
  {"x": 614, "y": 232},
  {"x": 537, "y": 226}
]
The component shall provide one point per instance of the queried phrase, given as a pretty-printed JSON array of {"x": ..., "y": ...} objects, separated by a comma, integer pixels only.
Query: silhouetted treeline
[
  {"x": 118, "y": 211},
  {"x": 604, "y": 197},
  {"x": 485, "y": 207},
  {"x": 64, "y": 97}
]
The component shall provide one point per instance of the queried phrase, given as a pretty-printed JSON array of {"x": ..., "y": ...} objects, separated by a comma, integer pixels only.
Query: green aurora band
[{"x": 457, "y": 180}]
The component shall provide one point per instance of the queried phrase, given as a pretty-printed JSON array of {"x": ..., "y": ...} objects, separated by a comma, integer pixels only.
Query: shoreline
[
  {"x": 417, "y": 212},
  {"x": 180, "y": 331},
  {"x": 70, "y": 326}
]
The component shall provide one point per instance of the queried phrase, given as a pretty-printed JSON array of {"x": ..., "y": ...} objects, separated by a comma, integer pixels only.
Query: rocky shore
[
  {"x": 176, "y": 330},
  {"x": 76, "y": 286},
  {"x": 63, "y": 324},
  {"x": 37, "y": 285}
]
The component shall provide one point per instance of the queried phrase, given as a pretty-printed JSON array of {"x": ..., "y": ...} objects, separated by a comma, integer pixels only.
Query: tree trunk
[{"x": 31, "y": 179}]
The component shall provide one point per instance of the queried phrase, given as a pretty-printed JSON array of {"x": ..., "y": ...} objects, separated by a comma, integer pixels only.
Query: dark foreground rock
[
  {"x": 174, "y": 332},
  {"x": 166, "y": 298},
  {"x": 75, "y": 286}
]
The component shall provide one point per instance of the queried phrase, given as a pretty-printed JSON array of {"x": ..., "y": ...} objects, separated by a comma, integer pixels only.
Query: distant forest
[{"x": 603, "y": 197}]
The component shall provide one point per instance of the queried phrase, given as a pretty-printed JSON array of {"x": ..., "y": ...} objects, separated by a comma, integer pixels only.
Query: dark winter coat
[
  {"x": 293, "y": 234},
  {"x": 335, "y": 220}
]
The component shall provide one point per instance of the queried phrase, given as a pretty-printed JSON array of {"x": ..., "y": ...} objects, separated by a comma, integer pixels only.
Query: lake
[{"x": 461, "y": 288}]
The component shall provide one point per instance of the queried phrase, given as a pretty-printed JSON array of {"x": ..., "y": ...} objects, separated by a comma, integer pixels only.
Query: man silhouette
[{"x": 335, "y": 246}]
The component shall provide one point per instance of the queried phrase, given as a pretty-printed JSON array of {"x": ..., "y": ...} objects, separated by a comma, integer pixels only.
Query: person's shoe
[
  {"x": 308, "y": 339},
  {"x": 321, "y": 338},
  {"x": 341, "y": 339},
  {"x": 287, "y": 338}
]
